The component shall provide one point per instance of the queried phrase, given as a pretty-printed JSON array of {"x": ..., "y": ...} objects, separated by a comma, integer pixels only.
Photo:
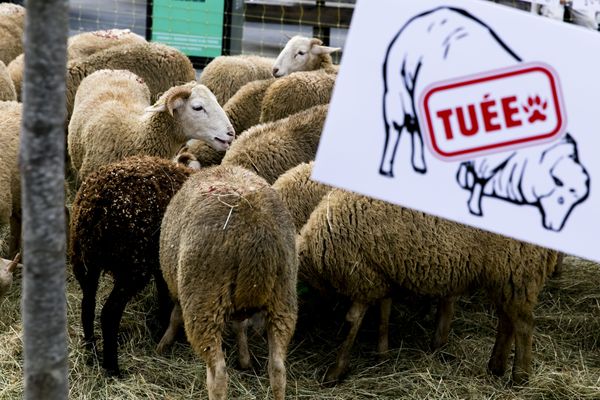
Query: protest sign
[{"x": 474, "y": 112}]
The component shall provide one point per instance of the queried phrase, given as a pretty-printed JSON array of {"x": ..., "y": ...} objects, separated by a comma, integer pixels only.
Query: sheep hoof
[
  {"x": 161, "y": 348},
  {"x": 333, "y": 376},
  {"x": 495, "y": 369},
  {"x": 114, "y": 373},
  {"x": 383, "y": 355},
  {"x": 520, "y": 377},
  {"x": 245, "y": 365}
]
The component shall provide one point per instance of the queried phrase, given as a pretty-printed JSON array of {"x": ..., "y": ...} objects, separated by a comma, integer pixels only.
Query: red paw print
[{"x": 536, "y": 109}]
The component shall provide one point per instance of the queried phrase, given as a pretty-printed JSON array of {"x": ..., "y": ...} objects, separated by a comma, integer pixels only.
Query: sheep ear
[
  {"x": 177, "y": 97},
  {"x": 318, "y": 49},
  {"x": 156, "y": 108},
  {"x": 14, "y": 263}
]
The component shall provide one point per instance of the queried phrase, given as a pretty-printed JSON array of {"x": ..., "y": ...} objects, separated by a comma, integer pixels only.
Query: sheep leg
[
  {"x": 279, "y": 336},
  {"x": 354, "y": 317},
  {"x": 14, "y": 243},
  {"x": 112, "y": 312},
  {"x": 503, "y": 344},
  {"x": 165, "y": 305},
  {"x": 89, "y": 288},
  {"x": 175, "y": 322},
  {"x": 385, "y": 309},
  {"x": 443, "y": 319},
  {"x": 475, "y": 199},
  {"x": 216, "y": 373},
  {"x": 241, "y": 333},
  {"x": 522, "y": 318}
]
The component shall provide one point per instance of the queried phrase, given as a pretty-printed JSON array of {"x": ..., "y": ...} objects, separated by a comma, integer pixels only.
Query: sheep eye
[
  {"x": 197, "y": 108},
  {"x": 301, "y": 53}
]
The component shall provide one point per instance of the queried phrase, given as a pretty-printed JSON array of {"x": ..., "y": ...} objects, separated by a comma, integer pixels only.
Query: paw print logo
[{"x": 536, "y": 109}]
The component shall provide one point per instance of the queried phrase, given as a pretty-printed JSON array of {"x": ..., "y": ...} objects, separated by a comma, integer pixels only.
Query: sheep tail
[
  {"x": 256, "y": 278},
  {"x": 465, "y": 176}
]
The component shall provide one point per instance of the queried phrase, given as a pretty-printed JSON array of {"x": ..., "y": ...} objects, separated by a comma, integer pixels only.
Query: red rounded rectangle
[{"x": 494, "y": 111}]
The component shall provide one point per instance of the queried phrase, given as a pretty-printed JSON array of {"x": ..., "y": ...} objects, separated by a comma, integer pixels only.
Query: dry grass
[{"x": 566, "y": 352}]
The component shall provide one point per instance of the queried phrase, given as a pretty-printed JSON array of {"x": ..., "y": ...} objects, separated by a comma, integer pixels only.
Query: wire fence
[{"x": 247, "y": 26}]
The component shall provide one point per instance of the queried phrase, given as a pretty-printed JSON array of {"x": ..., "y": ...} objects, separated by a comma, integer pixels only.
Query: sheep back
[
  {"x": 227, "y": 247},
  {"x": 225, "y": 75},
  {"x": 85, "y": 44},
  {"x": 296, "y": 92},
  {"x": 272, "y": 148},
  {"x": 12, "y": 22},
  {"x": 423, "y": 253},
  {"x": 96, "y": 100},
  {"x": 116, "y": 216},
  {"x": 299, "y": 193},
  {"x": 7, "y": 87},
  {"x": 244, "y": 107},
  {"x": 160, "y": 66}
]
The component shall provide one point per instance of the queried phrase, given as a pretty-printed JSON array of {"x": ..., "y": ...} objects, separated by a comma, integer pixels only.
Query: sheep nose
[
  {"x": 275, "y": 71},
  {"x": 231, "y": 132}
]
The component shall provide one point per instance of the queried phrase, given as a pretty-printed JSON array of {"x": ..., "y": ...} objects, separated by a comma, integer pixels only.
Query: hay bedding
[{"x": 566, "y": 351}]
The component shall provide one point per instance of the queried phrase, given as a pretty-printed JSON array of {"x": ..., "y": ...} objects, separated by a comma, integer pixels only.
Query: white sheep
[
  {"x": 296, "y": 92},
  {"x": 272, "y": 148},
  {"x": 225, "y": 75},
  {"x": 12, "y": 24},
  {"x": 160, "y": 66},
  {"x": 79, "y": 47},
  {"x": 85, "y": 44},
  {"x": 7, "y": 87},
  {"x": 10, "y": 182},
  {"x": 227, "y": 250},
  {"x": 7, "y": 268},
  {"x": 362, "y": 248},
  {"x": 244, "y": 107},
  {"x": 113, "y": 119},
  {"x": 15, "y": 70},
  {"x": 304, "y": 54}
]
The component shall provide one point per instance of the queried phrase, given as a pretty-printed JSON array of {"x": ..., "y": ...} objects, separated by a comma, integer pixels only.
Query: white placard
[
  {"x": 418, "y": 75},
  {"x": 586, "y": 5}
]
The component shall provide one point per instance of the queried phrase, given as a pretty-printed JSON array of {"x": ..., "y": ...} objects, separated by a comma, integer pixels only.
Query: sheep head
[
  {"x": 302, "y": 54},
  {"x": 185, "y": 158},
  {"x": 197, "y": 110},
  {"x": 7, "y": 269}
]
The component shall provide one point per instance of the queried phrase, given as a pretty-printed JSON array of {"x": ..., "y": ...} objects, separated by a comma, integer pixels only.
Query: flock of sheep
[{"x": 204, "y": 187}]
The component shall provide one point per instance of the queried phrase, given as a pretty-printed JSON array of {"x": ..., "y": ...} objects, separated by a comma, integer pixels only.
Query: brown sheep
[
  {"x": 362, "y": 248},
  {"x": 227, "y": 250},
  {"x": 115, "y": 224}
]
